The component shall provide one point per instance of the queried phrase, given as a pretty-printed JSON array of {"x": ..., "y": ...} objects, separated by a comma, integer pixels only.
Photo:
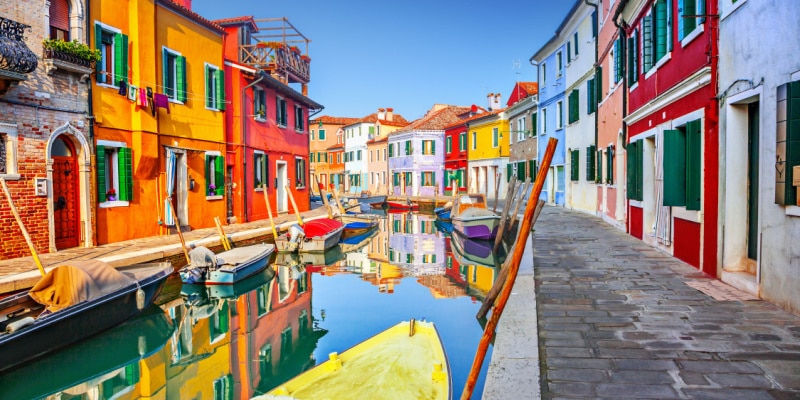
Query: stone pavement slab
[{"x": 617, "y": 319}]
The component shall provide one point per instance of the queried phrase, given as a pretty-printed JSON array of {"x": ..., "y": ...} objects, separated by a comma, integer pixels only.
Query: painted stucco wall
[
  {"x": 552, "y": 84},
  {"x": 418, "y": 163}
]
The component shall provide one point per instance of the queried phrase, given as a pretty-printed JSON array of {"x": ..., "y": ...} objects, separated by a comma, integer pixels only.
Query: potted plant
[
  {"x": 212, "y": 189},
  {"x": 74, "y": 52},
  {"x": 111, "y": 194}
]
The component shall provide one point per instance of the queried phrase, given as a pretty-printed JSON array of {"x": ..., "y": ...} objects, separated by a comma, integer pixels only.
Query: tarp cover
[{"x": 67, "y": 285}]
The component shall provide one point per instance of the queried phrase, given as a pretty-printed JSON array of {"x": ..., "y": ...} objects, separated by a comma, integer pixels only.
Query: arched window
[{"x": 59, "y": 20}]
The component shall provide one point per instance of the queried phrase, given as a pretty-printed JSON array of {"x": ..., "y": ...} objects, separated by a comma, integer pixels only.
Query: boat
[
  {"x": 406, "y": 361},
  {"x": 374, "y": 201},
  {"x": 443, "y": 226},
  {"x": 443, "y": 213},
  {"x": 229, "y": 291},
  {"x": 361, "y": 217},
  {"x": 477, "y": 251},
  {"x": 471, "y": 217},
  {"x": 315, "y": 236},
  {"x": 402, "y": 205},
  {"x": 227, "y": 267},
  {"x": 110, "y": 359},
  {"x": 73, "y": 302},
  {"x": 356, "y": 242},
  {"x": 357, "y": 228}
]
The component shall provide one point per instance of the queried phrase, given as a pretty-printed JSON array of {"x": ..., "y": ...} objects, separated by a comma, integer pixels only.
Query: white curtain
[
  {"x": 168, "y": 220},
  {"x": 663, "y": 222}
]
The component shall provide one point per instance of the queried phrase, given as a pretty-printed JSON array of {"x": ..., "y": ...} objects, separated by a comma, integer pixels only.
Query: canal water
[{"x": 237, "y": 342}]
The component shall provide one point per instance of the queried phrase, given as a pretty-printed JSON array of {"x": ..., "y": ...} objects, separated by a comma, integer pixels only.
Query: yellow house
[
  {"x": 487, "y": 153},
  {"x": 159, "y": 100}
]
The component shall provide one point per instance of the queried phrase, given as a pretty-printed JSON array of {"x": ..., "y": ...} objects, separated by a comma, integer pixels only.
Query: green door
[{"x": 752, "y": 181}]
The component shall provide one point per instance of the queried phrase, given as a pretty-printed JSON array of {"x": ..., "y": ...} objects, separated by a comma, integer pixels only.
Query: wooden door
[{"x": 66, "y": 215}]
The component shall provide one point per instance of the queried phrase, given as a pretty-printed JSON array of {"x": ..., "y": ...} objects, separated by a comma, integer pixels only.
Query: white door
[
  {"x": 280, "y": 189},
  {"x": 551, "y": 185}
]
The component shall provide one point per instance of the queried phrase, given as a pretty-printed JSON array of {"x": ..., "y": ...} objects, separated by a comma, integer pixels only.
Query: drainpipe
[
  {"x": 596, "y": 56},
  {"x": 244, "y": 142},
  {"x": 624, "y": 55},
  {"x": 90, "y": 129},
  {"x": 538, "y": 91}
]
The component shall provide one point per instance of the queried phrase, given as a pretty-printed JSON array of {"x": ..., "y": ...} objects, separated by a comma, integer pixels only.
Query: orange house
[{"x": 267, "y": 127}]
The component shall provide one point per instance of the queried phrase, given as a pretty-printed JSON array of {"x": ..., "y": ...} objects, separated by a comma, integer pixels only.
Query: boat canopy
[{"x": 67, "y": 285}]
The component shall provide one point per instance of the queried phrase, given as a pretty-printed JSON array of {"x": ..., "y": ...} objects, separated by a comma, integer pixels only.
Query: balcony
[
  {"x": 16, "y": 59},
  {"x": 275, "y": 49},
  {"x": 57, "y": 59}
]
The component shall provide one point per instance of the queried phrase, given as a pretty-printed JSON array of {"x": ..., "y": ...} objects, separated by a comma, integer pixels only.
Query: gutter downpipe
[
  {"x": 538, "y": 91},
  {"x": 244, "y": 141},
  {"x": 596, "y": 55},
  {"x": 90, "y": 130},
  {"x": 624, "y": 56}
]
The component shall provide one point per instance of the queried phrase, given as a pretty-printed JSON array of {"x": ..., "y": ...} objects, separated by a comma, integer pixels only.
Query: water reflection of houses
[
  {"x": 415, "y": 244},
  {"x": 476, "y": 271}
]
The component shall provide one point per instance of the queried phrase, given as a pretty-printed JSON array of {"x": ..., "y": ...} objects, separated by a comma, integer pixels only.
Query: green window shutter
[
  {"x": 433, "y": 147},
  {"x": 674, "y": 190},
  {"x": 788, "y": 142},
  {"x": 574, "y": 165},
  {"x": 610, "y": 165},
  {"x": 209, "y": 89},
  {"x": 640, "y": 172},
  {"x": 521, "y": 171},
  {"x": 532, "y": 170},
  {"x": 181, "y": 77},
  {"x": 408, "y": 147},
  {"x": 693, "y": 164},
  {"x": 433, "y": 178},
  {"x": 508, "y": 172},
  {"x": 120, "y": 58},
  {"x": 219, "y": 175},
  {"x": 125, "y": 168},
  {"x": 220, "y": 89},
  {"x": 599, "y": 175},
  {"x": 590, "y": 175},
  {"x": 661, "y": 28},
  {"x": 206, "y": 172},
  {"x": 322, "y": 134},
  {"x": 449, "y": 144},
  {"x": 256, "y": 177},
  {"x": 408, "y": 178},
  {"x": 598, "y": 85},
  {"x": 591, "y": 102},
  {"x": 391, "y": 149},
  {"x": 632, "y": 165},
  {"x": 575, "y": 37},
  {"x": 371, "y": 130},
  {"x": 689, "y": 8},
  {"x": 631, "y": 62},
  {"x": 569, "y": 52},
  {"x": 132, "y": 373},
  {"x": 647, "y": 49},
  {"x": 101, "y": 174},
  {"x": 617, "y": 60},
  {"x": 165, "y": 73},
  {"x": 535, "y": 123}
]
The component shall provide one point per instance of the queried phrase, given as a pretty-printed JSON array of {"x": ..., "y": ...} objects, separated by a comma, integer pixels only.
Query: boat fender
[
  {"x": 139, "y": 297},
  {"x": 142, "y": 345},
  {"x": 17, "y": 325},
  {"x": 335, "y": 362}
]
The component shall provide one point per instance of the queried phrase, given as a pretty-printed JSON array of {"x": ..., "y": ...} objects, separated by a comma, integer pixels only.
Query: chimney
[
  {"x": 381, "y": 113},
  {"x": 389, "y": 114},
  {"x": 496, "y": 101},
  {"x": 490, "y": 101},
  {"x": 185, "y": 3}
]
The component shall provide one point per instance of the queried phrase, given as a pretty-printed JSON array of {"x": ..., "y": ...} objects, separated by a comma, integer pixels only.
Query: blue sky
[{"x": 410, "y": 54}]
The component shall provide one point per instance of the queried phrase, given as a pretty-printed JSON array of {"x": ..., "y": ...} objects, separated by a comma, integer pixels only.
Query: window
[
  {"x": 633, "y": 57},
  {"x": 322, "y": 134},
  {"x": 689, "y": 8},
  {"x": 682, "y": 166},
  {"x": 534, "y": 123},
  {"x": 409, "y": 181},
  {"x": 391, "y": 149},
  {"x": 260, "y": 169},
  {"x": 286, "y": 342},
  {"x": 300, "y": 172},
  {"x": 114, "y": 171},
  {"x": 113, "y": 45},
  {"x": 409, "y": 148},
  {"x": 59, "y": 20},
  {"x": 569, "y": 52},
  {"x": 544, "y": 74},
  {"x": 521, "y": 171},
  {"x": 265, "y": 360},
  {"x": 280, "y": 111},
  {"x": 355, "y": 180},
  {"x": 591, "y": 97},
  {"x": 215, "y": 87},
  {"x": 635, "y": 158},
  {"x": 544, "y": 121},
  {"x": 495, "y": 137},
  {"x": 599, "y": 174},
  {"x": 462, "y": 142},
  {"x": 521, "y": 133},
  {"x": 788, "y": 144},
  {"x": 655, "y": 33},
  {"x": 428, "y": 178},
  {"x": 260, "y": 104},
  {"x": 215, "y": 174},
  {"x": 559, "y": 64},
  {"x": 574, "y": 110},
  {"x": 559, "y": 115},
  {"x": 174, "y": 75},
  {"x": 449, "y": 144},
  {"x": 299, "y": 118},
  {"x": 617, "y": 57},
  {"x": 560, "y": 181},
  {"x": 223, "y": 388},
  {"x": 575, "y": 39},
  {"x": 218, "y": 323},
  {"x": 474, "y": 140},
  {"x": 610, "y": 165},
  {"x": 590, "y": 164},
  {"x": 574, "y": 164},
  {"x": 8, "y": 151},
  {"x": 358, "y": 155},
  {"x": 428, "y": 147}
]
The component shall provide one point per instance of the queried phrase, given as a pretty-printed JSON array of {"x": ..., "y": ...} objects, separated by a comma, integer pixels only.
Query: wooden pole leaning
[
  {"x": 497, "y": 177},
  {"x": 296, "y": 211},
  {"x": 322, "y": 196},
  {"x": 178, "y": 228},
  {"x": 22, "y": 227},
  {"x": 338, "y": 202},
  {"x": 516, "y": 257},
  {"x": 269, "y": 213},
  {"x": 226, "y": 244}
]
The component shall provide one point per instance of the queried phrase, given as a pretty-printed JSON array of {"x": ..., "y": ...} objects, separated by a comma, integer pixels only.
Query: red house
[
  {"x": 455, "y": 158},
  {"x": 667, "y": 60},
  {"x": 267, "y": 129}
]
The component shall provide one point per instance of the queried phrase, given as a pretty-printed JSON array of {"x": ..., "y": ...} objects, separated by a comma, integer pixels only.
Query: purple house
[{"x": 416, "y": 152}]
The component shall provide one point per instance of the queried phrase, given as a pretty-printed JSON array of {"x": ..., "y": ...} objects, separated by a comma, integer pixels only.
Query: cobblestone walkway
[{"x": 617, "y": 320}]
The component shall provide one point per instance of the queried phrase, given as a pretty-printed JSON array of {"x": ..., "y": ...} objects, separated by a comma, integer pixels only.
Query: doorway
[
  {"x": 752, "y": 186},
  {"x": 280, "y": 187},
  {"x": 66, "y": 215}
]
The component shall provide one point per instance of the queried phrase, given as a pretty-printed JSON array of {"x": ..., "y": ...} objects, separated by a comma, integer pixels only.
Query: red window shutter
[{"x": 59, "y": 14}]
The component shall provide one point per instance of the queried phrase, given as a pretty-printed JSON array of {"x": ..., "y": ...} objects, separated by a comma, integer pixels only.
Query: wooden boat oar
[
  {"x": 296, "y": 211},
  {"x": 222, "y": 238},
  {"x": 180, "y": 234},
  {"x": 22, "y": 227},
  {"x": 269, "y": 213},
  {"x": 519, "y": 249}
]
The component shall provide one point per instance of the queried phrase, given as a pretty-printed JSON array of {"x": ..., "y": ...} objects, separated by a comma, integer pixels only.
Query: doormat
[{"x": 720, "y": 291}]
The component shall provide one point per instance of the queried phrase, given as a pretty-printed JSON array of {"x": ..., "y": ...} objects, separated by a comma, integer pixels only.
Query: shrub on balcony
[{"x": 74, "y": 48}]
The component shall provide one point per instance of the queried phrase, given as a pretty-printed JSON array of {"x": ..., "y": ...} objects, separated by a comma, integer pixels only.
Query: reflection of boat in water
[
  {"x": 230, "y": 291},
  {"x": 331, "y": 256},
  {"x": 110, "y": 359},
  {"x": 356, "y": 242},
  {"x": 356, "y": 229},
  {"x": 81, "y": 301},
  {"x": 477, "y": 251},
  {"x": 406, "y": 361}
]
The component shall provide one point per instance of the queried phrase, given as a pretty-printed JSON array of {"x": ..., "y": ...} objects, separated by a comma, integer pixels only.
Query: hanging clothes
[
  {"x": 133, "y": 91},
  {"x": 142, "y": 102},
  {"x": 170, "y": 172},
  {"x": 161, "y": 101},
  {"x": 123, "y": 87},
  {"x": 150, "y": 102}
]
